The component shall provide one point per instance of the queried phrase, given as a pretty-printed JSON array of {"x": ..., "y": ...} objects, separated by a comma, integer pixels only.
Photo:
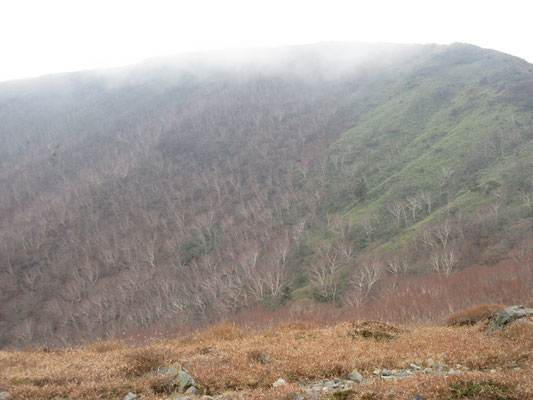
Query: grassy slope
[
  {"x": 448, "y": 109},
  {"x": 223, "y": 359}
]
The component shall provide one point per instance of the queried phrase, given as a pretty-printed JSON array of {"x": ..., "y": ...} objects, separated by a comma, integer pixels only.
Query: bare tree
[
  {"x": 397, "y": 209},
  {"x": 398, "y": 265},
  {"x": 445, "y": 175},
  {"x": 413, "y": 204},
  {"x": 323, "y": 277},
  {"x": 526, "y": 199},
  {"x": 443, "y": 232},
  {"x": 368, "y": 222},
  {"x": 445, "y": 262},
  {"x": 426, "y": 198},
  {"x": 363, "y": 281}
]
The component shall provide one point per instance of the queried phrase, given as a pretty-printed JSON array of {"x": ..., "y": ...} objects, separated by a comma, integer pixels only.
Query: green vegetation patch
[{"x": 486, "y": 390}]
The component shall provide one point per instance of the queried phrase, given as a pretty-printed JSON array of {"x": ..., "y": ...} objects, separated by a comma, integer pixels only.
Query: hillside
[
  {"x": 356, "y": 359},
  {"x": 181, "y": 191}
]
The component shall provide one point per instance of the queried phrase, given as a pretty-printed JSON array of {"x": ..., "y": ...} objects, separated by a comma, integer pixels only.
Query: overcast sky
[{"x": 46, "y": 36}]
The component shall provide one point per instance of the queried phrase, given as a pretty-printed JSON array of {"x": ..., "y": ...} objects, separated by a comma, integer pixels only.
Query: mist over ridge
[{"x": 182, "y": 190}]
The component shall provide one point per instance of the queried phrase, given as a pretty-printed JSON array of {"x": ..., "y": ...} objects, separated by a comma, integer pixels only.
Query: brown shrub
[
  {"x": 255, "y": 355},
  {"x": 222, "y": 331},
  {"x": 143, "y": 360},
  {"x": 230, "y": 368},
  {"x": 373, "y": 330},
  {"x": 104, "y": 347},
  {"x": 163, "y": 385},
  {"x": 298, "y": 326},
  {"x": 473, "y": 315}
]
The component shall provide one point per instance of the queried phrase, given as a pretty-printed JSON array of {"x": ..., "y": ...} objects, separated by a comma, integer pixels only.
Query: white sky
[{"x": 45, "y": 36}]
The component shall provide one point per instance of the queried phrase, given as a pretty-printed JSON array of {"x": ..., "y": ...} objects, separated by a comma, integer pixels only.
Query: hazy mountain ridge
[{"x": 162, "y": 194}]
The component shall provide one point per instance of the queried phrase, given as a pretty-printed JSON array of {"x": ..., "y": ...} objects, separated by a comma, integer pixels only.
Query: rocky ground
[{"x": 473, "y": 358}]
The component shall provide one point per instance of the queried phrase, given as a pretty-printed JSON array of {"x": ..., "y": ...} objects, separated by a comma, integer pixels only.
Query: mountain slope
[{"x": 180, "y": 191}]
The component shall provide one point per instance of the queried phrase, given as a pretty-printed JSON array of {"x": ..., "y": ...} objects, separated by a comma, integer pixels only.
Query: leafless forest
[{"x": 170, "y": 197}]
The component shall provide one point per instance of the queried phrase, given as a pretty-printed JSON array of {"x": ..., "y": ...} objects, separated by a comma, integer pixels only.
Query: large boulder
[
  {"x": 180, "y": 378},
  {"x": 508, "y": 315}
]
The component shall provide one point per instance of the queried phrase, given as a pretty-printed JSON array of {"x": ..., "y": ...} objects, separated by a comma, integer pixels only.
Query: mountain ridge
[{"x": 167, "y": 197}]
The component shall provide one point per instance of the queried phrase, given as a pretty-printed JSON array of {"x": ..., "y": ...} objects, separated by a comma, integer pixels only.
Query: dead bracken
[{"x": 438, "y": 362}]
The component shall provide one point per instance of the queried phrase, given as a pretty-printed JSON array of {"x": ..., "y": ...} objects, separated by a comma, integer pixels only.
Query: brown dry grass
[
  {"x": 473, "y": 315},
  {"x": 223, "y": 360}
]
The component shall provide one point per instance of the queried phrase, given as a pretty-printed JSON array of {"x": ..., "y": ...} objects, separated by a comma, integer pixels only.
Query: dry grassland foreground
[{"x": 228, "y": 362}]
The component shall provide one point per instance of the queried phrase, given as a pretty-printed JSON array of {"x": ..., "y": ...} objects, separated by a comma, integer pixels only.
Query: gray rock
[
  {"x": 192, "y": 390},
  {"x": 508, "y": 315},
  {"x": 184, "y": 380},
  {"x": 440, "y": 366},
  {"x": 265, "y": 359},
  {"x": 295, "y": 396},
  {"x": 403, "y": 373},
  {"x": 386, "y": 372},
  {"x": 377, "y": 371},
  {"x": 130, "y": 396},
  {"x": 418, "y": 397},
  {"x": 279, "y": 382},
  {"x": 4, "y": 395},
  {"x": 415, "y": 367},
  {"x": 430, "y": 363},
  {"x": 355, "y": 376},
  {"x": 180, "y": 376}
]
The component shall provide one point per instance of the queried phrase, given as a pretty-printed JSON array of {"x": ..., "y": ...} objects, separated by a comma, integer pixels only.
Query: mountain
[{"x": 180, "y": 191}]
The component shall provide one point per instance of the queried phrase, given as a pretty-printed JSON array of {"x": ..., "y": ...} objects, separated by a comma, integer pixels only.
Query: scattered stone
[
  {"x": 295, "y": 396},
  {"x": 415, "y": 367},
  {"x": 440, "y": 368},
  {"x": 265, "y": 359},
  {"x": 508, "y": 315},
  {"x": 403, "y": 373},
  {"x": 279, "y": 382},
  {"x": 129, "y": 396},
  {"x": 355, "y": 376},
  {"x": 430, "y": 363},
  {"x": 4, "y": 395},
  {"x": 192, "y": 390},
  {"x": 516, "y": 369},
  {"x": 317, "y": 389}
]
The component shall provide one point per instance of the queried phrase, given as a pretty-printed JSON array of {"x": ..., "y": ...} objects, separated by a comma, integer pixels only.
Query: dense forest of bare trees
[{"x": 180, "y": 198}]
